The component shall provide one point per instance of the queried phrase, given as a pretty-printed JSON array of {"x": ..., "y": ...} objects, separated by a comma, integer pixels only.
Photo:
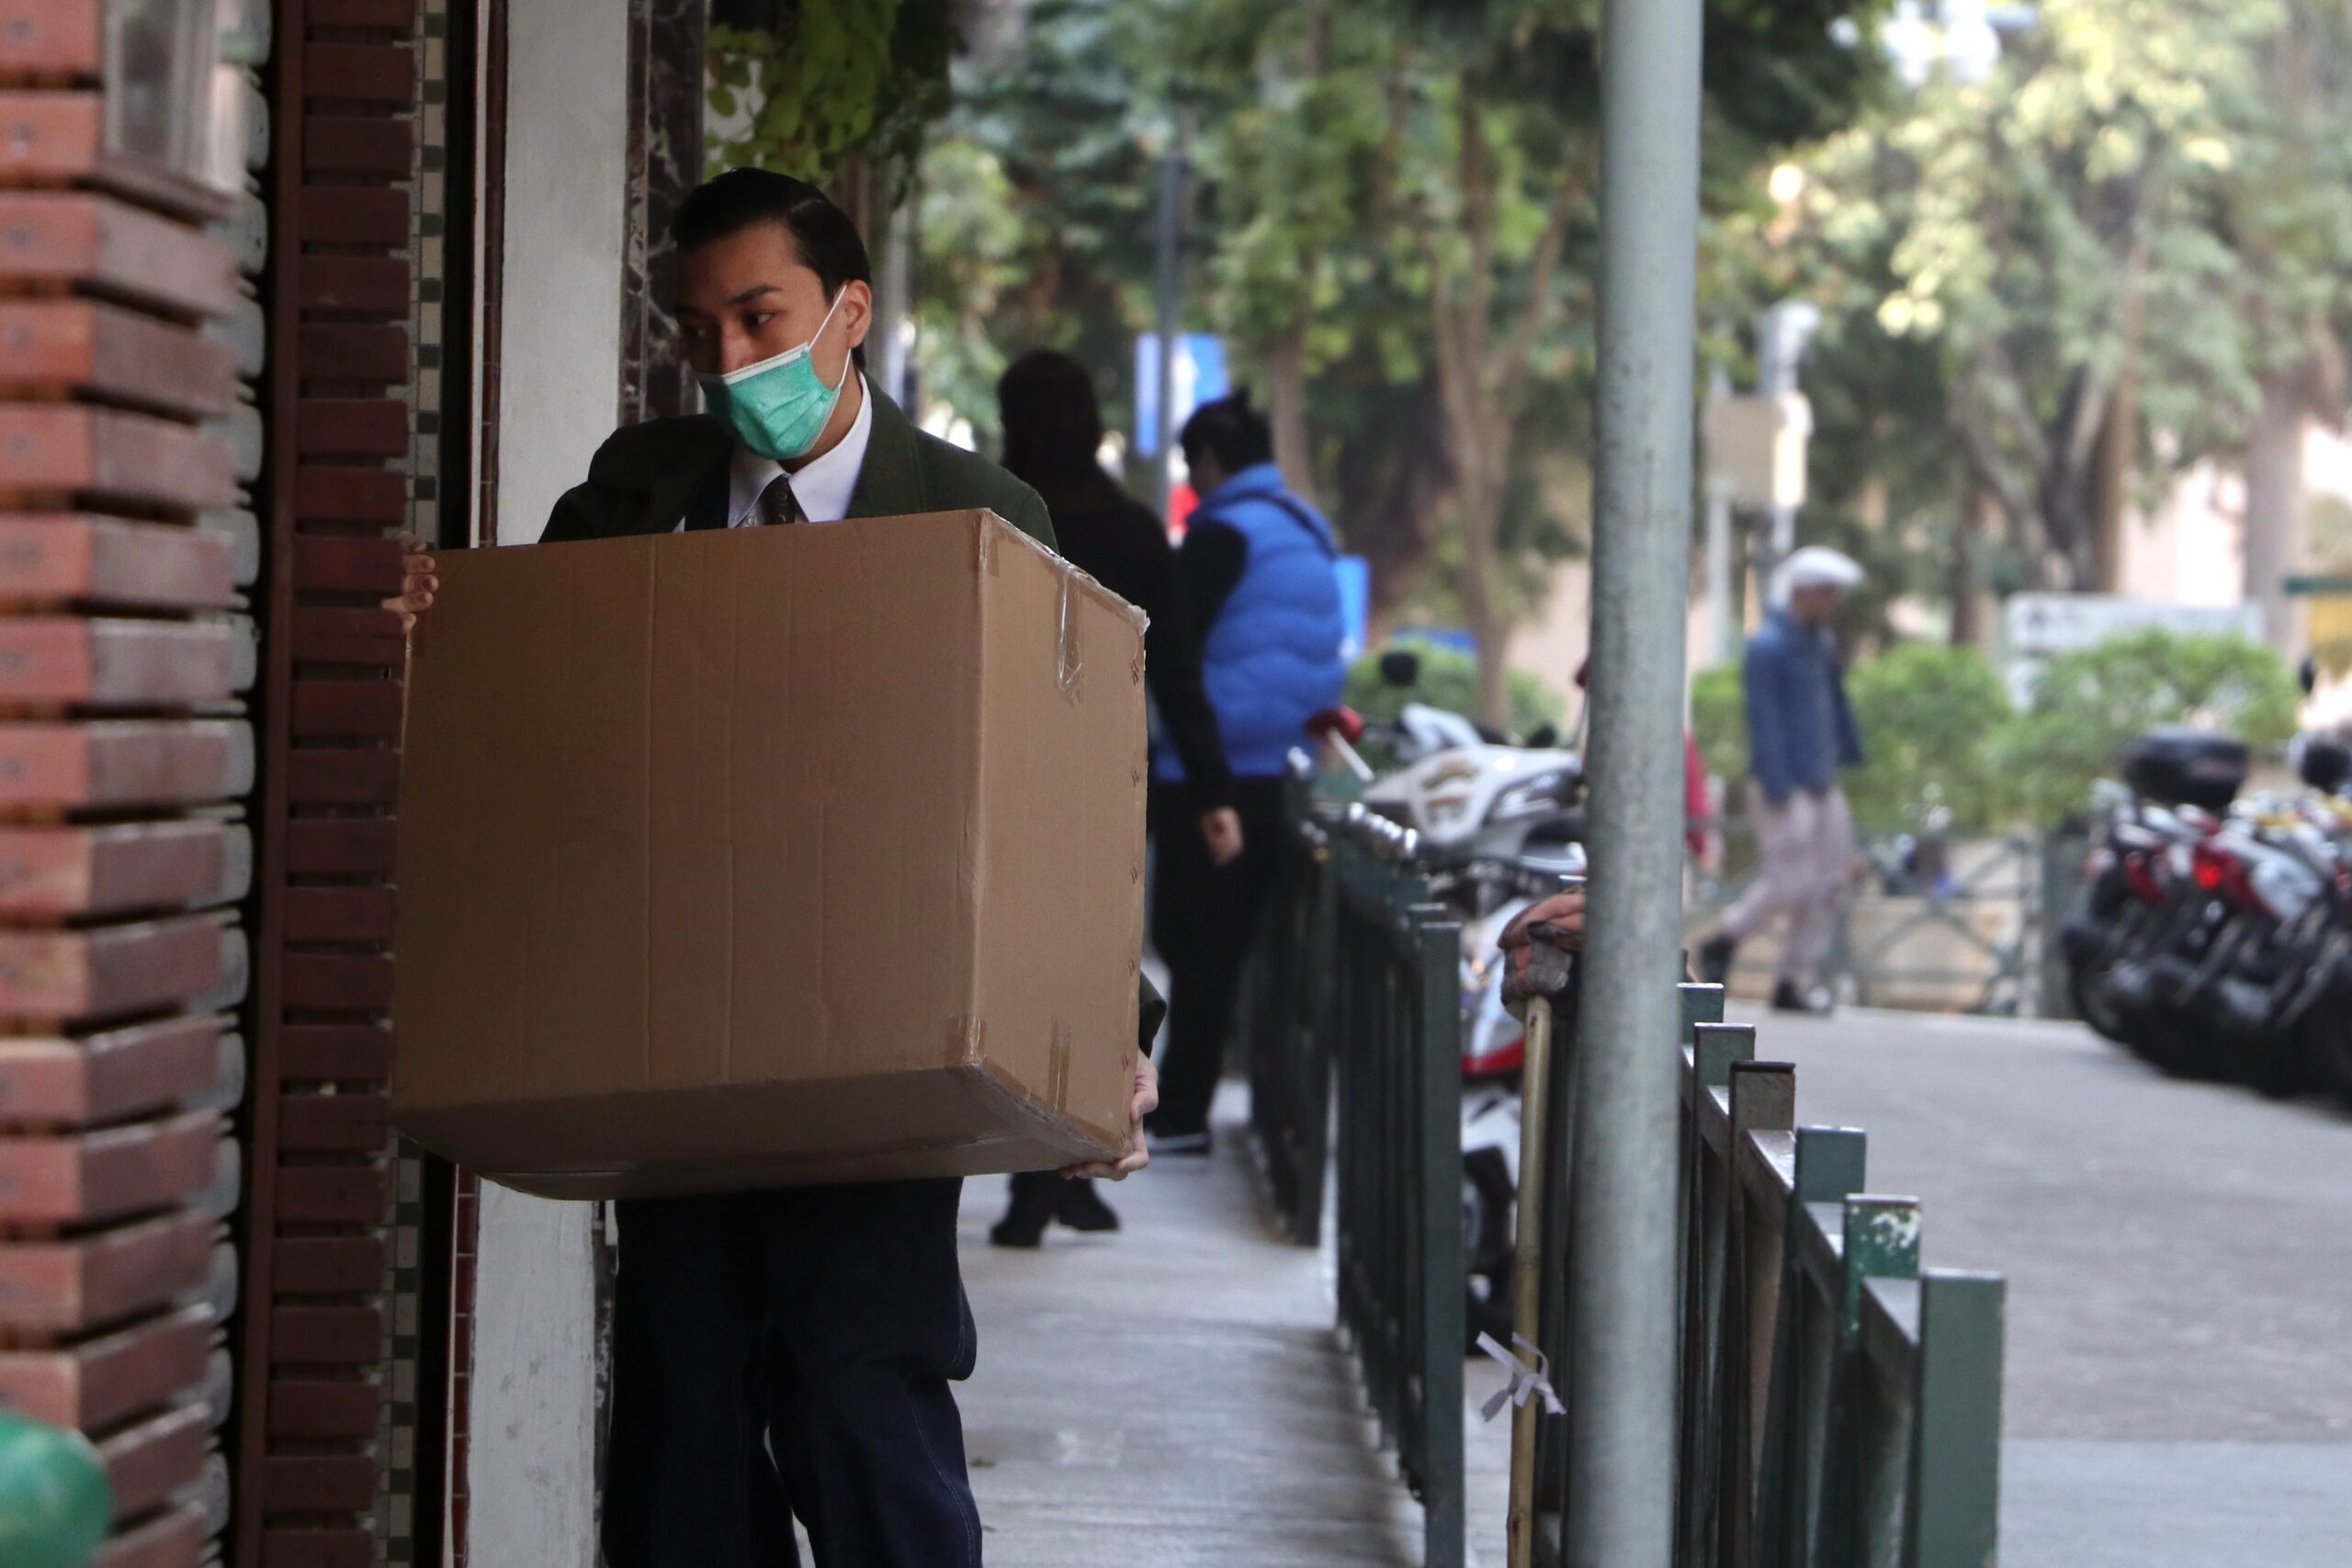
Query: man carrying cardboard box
[{"x": 788, "y": 1352}]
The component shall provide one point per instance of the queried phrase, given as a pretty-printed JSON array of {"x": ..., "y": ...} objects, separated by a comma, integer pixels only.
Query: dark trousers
[
  {"x": 1202, "y": 916},
  {"x": 821, "y": 1325}
]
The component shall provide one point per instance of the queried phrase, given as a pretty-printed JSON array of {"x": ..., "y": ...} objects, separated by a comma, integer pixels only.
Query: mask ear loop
[{"x": 849, "y": 356}]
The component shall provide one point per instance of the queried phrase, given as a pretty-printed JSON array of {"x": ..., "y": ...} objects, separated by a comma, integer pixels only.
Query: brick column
[
  {"x": 339, "y": 294},
  {"x": 125, "y": 662}
]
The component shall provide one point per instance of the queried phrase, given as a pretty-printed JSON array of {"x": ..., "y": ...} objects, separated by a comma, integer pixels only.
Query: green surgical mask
[{"x": 778, "y": 407}]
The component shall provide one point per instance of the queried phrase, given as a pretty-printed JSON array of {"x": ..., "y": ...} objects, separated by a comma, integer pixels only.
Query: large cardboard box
[{"x": 769, "y": 856}]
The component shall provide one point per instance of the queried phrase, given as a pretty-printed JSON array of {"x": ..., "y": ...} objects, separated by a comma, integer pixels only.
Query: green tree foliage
[
  {"x": 2055, "y": 287},
  {"x": 1048, "y": 159},
  {"x": 1926, "y": 713},
  {"x": 1719, "y": 721},
  {"x": 1938, "y": 728},
  {"x": 2086, "y": 704},
  {"x": 814, "y": 84},
  {"x": 1393, "y": 228},
  {"x": 973, "y": 240}
]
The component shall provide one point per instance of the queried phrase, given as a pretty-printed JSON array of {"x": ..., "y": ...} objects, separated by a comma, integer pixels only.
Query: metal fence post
[
  {"x": 1394, "y": 1016},
  {"x": 1439, "y": 1164},
  {"x": 1953, "y": 1513},
  {"x": 1882, "y": 1241},
  {"x": 2059, "y": 891},
  {"x": 1623, "y": 1284}
]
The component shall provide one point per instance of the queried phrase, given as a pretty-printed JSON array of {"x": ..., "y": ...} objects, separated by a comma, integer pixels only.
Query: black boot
[
  {"x": 1033, "y": 1197},
  {"x": 1080, "y": 1207},
  {"x": 1715, "y": 959}
]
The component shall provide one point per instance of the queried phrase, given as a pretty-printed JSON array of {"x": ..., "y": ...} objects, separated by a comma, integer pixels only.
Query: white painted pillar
[
  {"x": 530, "y": 1465},
  {"x": 567, "y": 173}
]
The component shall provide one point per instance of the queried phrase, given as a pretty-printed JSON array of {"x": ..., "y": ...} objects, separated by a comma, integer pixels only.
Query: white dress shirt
[{"x": 824, "y": 485}]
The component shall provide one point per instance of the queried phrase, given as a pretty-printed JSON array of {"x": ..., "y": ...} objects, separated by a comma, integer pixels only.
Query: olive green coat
[{"x": 645, "y": 478}]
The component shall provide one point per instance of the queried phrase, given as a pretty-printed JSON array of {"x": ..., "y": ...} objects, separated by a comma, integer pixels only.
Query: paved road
[{"x": 2179, "y": 1256}]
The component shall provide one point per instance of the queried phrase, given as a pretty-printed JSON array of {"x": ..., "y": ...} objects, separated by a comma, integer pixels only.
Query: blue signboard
[
  {"x": 1355, "y": 603},
  {"x": 1200, "y": 377}
]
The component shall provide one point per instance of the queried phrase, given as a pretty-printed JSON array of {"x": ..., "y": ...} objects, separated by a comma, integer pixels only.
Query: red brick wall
[{"x": 125, "y": 667}]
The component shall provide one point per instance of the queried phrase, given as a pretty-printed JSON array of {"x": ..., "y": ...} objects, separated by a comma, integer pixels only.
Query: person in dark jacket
[
  {"x": 1053, "y": 431},
  {"x": 1259, "y": 574},
  {"x": 1801, "y": 731},
  {"x": 786, "y": 1353}
]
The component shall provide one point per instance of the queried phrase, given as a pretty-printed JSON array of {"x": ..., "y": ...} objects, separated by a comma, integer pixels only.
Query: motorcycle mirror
[
  {"x": 1544, "y": 737},
  {"x": 1400, "y": 667},
  {"x": 2325, "y": 764},
  {"x": 2307, "y": 674}
]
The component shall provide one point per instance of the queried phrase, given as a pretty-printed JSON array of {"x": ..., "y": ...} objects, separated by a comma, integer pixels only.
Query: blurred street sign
[
  {"x": 2035, "y": 627},
  {"x": 1355, "y": 603},
  {"x": 1756, "y": 447}
]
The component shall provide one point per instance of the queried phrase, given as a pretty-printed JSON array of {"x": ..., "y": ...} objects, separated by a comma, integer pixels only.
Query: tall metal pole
[
  {"x": 1168, "y": 282},
  {"x": 1621, "y": 1283}
]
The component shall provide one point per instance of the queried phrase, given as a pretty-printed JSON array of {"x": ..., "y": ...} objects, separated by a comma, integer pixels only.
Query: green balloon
[{"x": 55, "y": 1503}]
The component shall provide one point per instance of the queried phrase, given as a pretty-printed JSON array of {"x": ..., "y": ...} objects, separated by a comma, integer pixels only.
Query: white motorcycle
[{"x": 1488, "y": 814}]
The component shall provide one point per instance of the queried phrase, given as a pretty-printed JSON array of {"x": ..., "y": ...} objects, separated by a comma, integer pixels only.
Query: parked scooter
[
  {"x": 2216, "y": 936},
  {"x": 1485, "y": 810}
]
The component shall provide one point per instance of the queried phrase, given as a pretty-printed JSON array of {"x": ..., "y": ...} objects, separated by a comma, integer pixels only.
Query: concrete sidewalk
[{"x": 1172, "y": 1396}]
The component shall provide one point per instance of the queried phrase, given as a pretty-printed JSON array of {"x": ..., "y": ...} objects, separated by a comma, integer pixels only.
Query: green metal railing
[
  {"x": 1396, "y": 1045},
  {"x": 1840, "y": 1406},
  {"x": 1355, "y": 1064},
  {"x": 1287, "y": 1030}
]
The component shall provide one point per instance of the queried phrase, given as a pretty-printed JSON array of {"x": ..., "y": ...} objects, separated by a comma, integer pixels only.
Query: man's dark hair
[
  {"x": 829, "y": 244},
  {"x": 1229, "y": 430},
  {"x": 1053, "y": 422}
]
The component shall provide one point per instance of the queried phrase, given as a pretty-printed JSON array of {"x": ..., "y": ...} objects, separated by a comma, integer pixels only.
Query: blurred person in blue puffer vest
[{"x": 1260, "y": 570}]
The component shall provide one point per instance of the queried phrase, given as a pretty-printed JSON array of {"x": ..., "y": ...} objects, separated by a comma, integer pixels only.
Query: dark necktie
[{"x": 778, "y": 505}]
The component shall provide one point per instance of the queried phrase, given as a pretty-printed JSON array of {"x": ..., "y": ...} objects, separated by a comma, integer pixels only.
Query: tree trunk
[
  {"x": 2276, "y": 517},
  {"x": 1287, "y": 410},
  {"x": 2119, "y": 446},
  {"x": 1481, "y": 502},
  {"x": 1964, "y": 581},
  {"x": 1286, "y": 356},
  {"x": 2118, "y": 459},
  {"x": 1479, "y": 434}
]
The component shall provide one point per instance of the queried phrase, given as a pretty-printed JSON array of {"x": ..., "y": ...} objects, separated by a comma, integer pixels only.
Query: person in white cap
[{"x": 1801, "y": 731}]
